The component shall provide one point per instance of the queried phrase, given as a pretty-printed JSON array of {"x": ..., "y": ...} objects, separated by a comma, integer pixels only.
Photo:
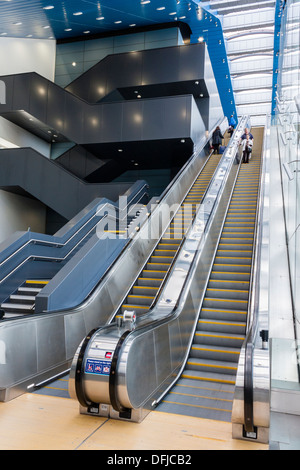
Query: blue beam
[{"x": 208, "y": 28}]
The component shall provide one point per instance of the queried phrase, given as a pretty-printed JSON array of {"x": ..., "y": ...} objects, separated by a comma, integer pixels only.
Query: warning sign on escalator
[{"x": 95, "y": 366}]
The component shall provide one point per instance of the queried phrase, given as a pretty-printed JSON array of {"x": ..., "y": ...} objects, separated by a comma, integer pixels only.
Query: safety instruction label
[{"x": 95, "y": 366}]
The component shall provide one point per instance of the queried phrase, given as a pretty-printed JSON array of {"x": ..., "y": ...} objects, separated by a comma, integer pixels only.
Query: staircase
[
  {"x": 205, "y": 388},
  {"x": 22, "y": 302},
  {"x": 146, "y": 287}
]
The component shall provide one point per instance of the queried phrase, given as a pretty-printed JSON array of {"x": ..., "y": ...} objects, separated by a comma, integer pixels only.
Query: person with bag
[
  {"x": 247, "y": 144},
  {"x": 217, "y": 138}
]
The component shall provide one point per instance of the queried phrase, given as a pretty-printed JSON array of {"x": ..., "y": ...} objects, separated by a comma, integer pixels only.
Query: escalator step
[
  {"x": 222, "y": 326},
  {"x": 219, "y": 339},
  {"x": 216, "y": 353},
  {"x": 220, "y": 367}
]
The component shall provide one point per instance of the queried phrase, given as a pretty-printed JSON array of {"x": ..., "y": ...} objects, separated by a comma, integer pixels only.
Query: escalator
[
  {"x": 206, "y": 386},
  {"x": 147, "y": 286},
  {"x": 187, "y": 343},
  {"x": 161, "y": 307}
]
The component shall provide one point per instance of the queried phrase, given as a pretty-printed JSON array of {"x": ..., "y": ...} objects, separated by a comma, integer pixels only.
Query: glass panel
[{"x": 288, "y": 127}]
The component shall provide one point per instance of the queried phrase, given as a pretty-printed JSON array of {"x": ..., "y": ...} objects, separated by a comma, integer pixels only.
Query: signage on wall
[{"x": 2, "y": 92}]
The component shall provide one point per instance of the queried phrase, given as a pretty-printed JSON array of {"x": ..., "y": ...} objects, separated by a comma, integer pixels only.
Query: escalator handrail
[{"x": 252, "y": 323}]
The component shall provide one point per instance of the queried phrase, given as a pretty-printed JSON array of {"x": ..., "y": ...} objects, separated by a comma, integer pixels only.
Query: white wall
[
  {"x": 19, "y": 213},
  {"x": 27, "y": 55},
  {"x": 22, "y": 56}
]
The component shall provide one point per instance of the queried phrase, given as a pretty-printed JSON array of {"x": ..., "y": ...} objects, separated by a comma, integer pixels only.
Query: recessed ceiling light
[
  {"x": 161, "y": 8},
  {"x": 131, "y": 25},
  {"x": 100, "y": 18},
  {"x": 78, "y": 13},
  {"x": 138, "y": 96},
  {"x": 29, "y": 36},
  {"x": 117, "y": 22},
  {"x": 86, "y": 32},
  {"x": 68, "y": 29},
  {"x": 74, "y": 64},
  {"x": 46, "y": 27},
  {"x": 173, "y": 13},
  {"x": 3, "y": 34},
  {"x": 144, "y": 2},
  {"x": 17, "y": 24},
  {"x": 49, "y": 7}
]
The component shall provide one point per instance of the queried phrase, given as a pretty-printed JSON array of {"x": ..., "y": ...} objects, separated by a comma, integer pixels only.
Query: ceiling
[
  {"x": 210, "y": 19},
  {"x": 66, "y": 19}
]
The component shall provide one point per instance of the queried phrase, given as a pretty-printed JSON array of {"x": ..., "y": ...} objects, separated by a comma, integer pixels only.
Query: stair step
[
  {"x": 157, "y": 266},
  {"x": 22, "y": 298},
  {"x": 219, "y": 339},
  {"x": 145, "y": 290},
  {"x": 139, "y": 309},
  {"x": 222, "y": 367},
  {"x": 235, "y": 304},
  {"x": 234, "y": 294},
  {"x": 140, "y": 299},
  {"x": 29, "y": 290},
  {"x": 150, "y": 273},
  {"x": 37, "y": 282},
  {"x": 221, "y": 326},
  {"x": 149, "y": 282},
  {"x": 235, "y": 268},
  {"x": 215, "y": 353},
  {"x": 228, "y": 284},
  {"x": 223, "y": 314},
  {"x": 230, "y": 275},
  {"x": 10, "y": 307}
]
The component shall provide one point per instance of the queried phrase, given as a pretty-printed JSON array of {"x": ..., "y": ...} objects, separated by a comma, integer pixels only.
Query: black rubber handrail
[
  {"x": 79, "y": 372},
  {"x": 252, "y": 332},
  {"x": 115, "y": 403}
]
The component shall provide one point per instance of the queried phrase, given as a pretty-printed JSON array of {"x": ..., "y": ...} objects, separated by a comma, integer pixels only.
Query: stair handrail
[{"x": 61, "y": 245}]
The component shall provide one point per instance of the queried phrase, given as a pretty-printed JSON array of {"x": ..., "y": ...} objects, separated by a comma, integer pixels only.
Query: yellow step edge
[
  {"x": 200, "y": 396},
  {"x": 239, "y": 312},
  {"x": 132, "y": 296},
  {"x": 229, "y": 280},
  {"x": 206, "y": 379},
  {"x": 228, "y": 300},
  {"x": 36, "y": 282},
  {"x": 224, "y": 323},
  {"x": 145, "y": 287},
  {"x": 196, "y": 406},
  {"x": 135, "y": 306},
  {"x": 227, "y": 290},
  {"x": 215, "y": 350},
  {"x": 212, "y": 365},
  {"x": 236, "y": 338}
]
